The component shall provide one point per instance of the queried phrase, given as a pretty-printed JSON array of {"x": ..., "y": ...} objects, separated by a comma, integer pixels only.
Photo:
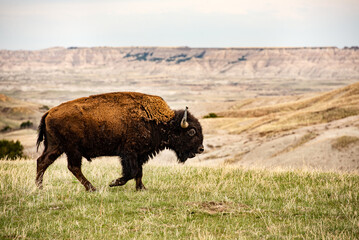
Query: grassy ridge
[
  {"x": 180, "y": 203},
  {"x": 268, "y": 119}
]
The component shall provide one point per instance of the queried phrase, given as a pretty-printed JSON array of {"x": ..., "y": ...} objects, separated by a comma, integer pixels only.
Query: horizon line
[{"x": 184, "y": 47}]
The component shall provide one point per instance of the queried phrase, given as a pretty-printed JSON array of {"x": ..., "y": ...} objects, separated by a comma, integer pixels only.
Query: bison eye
[{"x": 191, "y": 132}]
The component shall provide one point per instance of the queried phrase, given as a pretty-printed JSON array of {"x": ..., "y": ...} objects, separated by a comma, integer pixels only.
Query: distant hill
[
  {"x": 298, "y": 63},
  {"x": 13, "y": 112},
  {"x": 319, "y": 131}
]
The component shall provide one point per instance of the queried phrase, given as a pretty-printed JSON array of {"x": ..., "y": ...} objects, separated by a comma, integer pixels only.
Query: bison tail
[{"x": 41, "y": 135}]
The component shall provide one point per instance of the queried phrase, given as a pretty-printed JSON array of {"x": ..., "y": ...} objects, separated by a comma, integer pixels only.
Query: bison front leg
[
  {"x": 130, "y": 170},
  {"x": 74, "y": 165}
]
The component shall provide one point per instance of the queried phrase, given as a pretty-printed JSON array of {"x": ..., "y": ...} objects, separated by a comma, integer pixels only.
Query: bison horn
[{"x": 184, "y": 123}]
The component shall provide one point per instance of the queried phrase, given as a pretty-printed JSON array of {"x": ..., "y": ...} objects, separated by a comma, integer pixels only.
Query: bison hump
[
  {"x": 114, "y": 108},
  {"x": 154, "y": 108}
]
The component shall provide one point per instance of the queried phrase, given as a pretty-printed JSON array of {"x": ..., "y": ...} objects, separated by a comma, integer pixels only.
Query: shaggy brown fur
[
  {"x": 134, "y": 126},
  {"x": 113, "y": 108}
]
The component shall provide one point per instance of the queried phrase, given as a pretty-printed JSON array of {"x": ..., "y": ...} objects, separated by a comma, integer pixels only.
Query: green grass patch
[{"x": 181, "y": 203}]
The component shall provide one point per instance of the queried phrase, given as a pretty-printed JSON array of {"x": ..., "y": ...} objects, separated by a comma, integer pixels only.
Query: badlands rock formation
[{"x": 300, "y": 63}]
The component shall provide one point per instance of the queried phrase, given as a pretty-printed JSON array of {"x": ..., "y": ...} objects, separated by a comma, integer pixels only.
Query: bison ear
[{"x": 184, "y": 123}]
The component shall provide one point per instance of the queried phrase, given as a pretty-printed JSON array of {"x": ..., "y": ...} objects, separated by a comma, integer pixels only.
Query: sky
[{"x": 39, "y": 24}]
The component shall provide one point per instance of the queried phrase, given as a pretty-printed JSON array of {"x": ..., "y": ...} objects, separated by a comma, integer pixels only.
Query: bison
[{"x": 133, "y": 126}]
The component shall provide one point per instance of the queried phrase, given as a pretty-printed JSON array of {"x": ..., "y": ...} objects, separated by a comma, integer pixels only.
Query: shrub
[
  {"x": 44, "y": 107},
  {"x": 11, "y": 150},
  {"x": 344, "y": 142},
  {"x": 211, "y": 115},
  {"x": 6, "y": 129},
  {"x": 27, "y": 124}
]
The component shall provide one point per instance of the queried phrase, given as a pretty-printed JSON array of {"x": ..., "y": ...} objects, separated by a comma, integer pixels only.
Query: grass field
[{"x": 181, "y": 203}]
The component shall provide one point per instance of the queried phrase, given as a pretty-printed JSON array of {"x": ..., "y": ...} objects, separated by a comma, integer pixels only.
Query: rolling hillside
[
  {"x": 273, "y": 115},
  {"x": 14, "y": 111},
  {"x": 320, "y": 132}
]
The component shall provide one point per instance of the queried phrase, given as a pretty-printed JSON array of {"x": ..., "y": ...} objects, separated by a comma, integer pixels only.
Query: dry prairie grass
[
  {"x": 304, "y": 139},
  {"x": 181, "y": 202},
  {"x": 344, "y": 142}
]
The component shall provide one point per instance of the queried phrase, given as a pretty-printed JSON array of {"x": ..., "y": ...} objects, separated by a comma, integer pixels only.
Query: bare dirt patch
[{"x": 223, "y": 207}]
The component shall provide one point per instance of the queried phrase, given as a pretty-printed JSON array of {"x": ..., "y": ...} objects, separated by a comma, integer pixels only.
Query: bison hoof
[
  {"x": 117, "y": 182},
  {"x": 141, "y": 188},
  {"x": 91, "y": 189},
  {"x": 39, "y": 184}
]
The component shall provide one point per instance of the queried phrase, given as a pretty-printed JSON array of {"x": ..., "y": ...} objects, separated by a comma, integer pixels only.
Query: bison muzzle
[{"x": 133, "y": 126}]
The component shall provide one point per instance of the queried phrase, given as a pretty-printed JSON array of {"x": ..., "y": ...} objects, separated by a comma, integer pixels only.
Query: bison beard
[{"x": 133, "y": 126}]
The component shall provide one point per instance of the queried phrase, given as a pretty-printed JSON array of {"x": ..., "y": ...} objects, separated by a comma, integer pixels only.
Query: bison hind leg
[{"x": 49, "y": 155}]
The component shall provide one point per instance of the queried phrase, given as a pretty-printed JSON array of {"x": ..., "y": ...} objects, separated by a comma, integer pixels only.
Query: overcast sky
[{"x": 38, "y": 24}]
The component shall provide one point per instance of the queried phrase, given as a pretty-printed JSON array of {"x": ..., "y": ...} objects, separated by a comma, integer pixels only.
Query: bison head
[{"x": 186, "y": 137}]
